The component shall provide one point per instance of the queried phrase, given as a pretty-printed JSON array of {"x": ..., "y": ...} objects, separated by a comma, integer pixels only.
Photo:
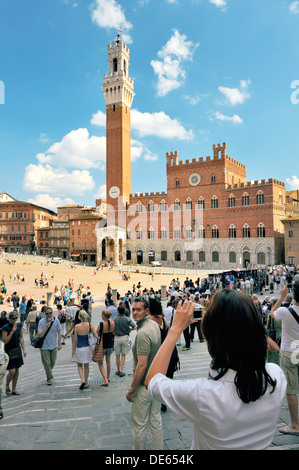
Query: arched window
[
  {"x": 261, "y": 258},
  {"x": 231, "y": 201},
  {"x": 214, "y": 202},
  {"x": 176, "y": 206},
  {"x": 188, "y": 204},
  {"x": 115, "y": 65},
  {"x": 260, "y": 199},
  {"x": 163, "y": 206},
  {"x": 232, "y": 233},
  {"x": 201, "y": 256},
  {"x": 189, "y": 233},
  {"x": 261, "y": 232},
  {"x": 201, "y": 203},
  {"x": 280, "y": 198},
  {"x": 163, "y": 233},
  {"x": 177, "y": 232},
  {"x": 215, "y": 232},
  {"x": 201, "y": 232},
  {"x": 139, "y": 233},
  {"x": 163, "y": 255},
  {"x": 246, "y": 231},
  {"x": 215, "y": 257},
  {"x": 245, "y": 199},
  {"x": 232, "y": 257},
  {"x": 151, "y": 233},
  {"x": 128, "y": 255},
  {"x": 177, "y": 256},
  {"x": 151, "y": 206},
  {"x": 189, "y": 256},
  {"x": 139, "y": 207}
]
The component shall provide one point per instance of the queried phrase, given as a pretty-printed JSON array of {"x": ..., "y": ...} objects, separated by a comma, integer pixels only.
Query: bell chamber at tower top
[{"x": 118, "y": 87}]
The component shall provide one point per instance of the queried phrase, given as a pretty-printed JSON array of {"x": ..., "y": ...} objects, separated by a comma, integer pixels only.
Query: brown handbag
[{"x": 97, "y": 350}]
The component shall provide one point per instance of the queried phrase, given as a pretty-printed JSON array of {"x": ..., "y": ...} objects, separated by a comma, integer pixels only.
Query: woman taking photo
[
  {"x": 82, "y": 352},
  {"x": 12, "y": 337},
  {"x": 237, "y": 406}
]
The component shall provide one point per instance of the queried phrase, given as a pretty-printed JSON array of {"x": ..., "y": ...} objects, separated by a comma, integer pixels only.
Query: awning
[{"x": 76, "y": 254}]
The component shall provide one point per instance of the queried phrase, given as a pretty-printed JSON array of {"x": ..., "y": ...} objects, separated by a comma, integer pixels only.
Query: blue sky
[{"x": 205, "y": 71}]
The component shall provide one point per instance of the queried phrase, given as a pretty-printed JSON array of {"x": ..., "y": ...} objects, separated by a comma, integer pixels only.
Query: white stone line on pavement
[{"x": 42, "y": 423}]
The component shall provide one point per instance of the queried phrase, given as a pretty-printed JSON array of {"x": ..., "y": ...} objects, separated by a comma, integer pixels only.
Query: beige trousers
[{"x": 146, "y": 417}]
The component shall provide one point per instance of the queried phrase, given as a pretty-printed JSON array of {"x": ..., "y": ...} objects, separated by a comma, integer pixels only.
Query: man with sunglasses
[
  {"x": 145, "y": 413},
  {"x": 52, "y": 342}
]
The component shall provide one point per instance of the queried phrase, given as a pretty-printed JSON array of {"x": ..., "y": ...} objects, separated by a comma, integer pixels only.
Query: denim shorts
[{"x": 108, "y": 351}]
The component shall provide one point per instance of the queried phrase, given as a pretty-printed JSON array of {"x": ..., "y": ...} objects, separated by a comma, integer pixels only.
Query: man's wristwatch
[{"x": 130, "y": 390}]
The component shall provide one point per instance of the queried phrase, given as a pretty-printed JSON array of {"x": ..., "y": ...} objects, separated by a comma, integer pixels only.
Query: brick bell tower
[{"x": 118, "y": 89}]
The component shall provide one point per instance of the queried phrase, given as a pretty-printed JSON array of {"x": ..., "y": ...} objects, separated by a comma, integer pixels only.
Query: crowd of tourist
[{"x": 248, "y": 322}]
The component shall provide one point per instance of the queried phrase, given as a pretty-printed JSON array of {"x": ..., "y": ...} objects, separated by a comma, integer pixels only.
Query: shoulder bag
[
  {"x": 292, "y": 311},
  {"x": 15, "y": 353},
  {"x": 36, "y": 341},
  {"x": 271, "y": 330},
  {"x": 97, "y": 351},
  {"x": 92, "y": 339}
]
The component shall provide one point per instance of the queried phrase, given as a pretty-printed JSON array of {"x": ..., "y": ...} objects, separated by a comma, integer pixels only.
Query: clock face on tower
[
  {"x": 194, "y": 179},
  {"x": 114, "y": 192}
]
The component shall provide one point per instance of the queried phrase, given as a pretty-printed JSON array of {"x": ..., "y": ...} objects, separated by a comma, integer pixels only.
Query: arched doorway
[
  {"x": 246, "y": 259},
  {"x": 139, "y": 257},
  {"x": 103, "y": 249},
  {"x": 151, "y": 256}
]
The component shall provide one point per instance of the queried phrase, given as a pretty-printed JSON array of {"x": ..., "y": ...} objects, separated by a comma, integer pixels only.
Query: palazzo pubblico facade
[{"x": 210, "y": 216}]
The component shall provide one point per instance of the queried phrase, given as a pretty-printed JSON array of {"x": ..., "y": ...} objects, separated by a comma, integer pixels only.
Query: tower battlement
[{"x": 173, "y": 157}]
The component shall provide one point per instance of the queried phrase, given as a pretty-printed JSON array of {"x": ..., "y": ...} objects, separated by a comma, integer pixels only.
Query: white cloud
[
  {"x": 50, "y": 202},
  {"x": 219, "y": 3},
  {"x": 293, "y": 182},
  {"x": 136, "y": 149},
  {"x": 108, "y": 14},
  {"x": 234, "y": 119},
  {"x": 58, "y": 181},
  {"x": 169, "y": 69},
  {"x": 101, "y": 192},
  {"x": 98, "y": 119},
  {"x": 236, "y": 95},
  {"x": 158, "y": 124},
  {"x": 76, "y": 150},
  {"x": 193, "y": 100},
  {"x": 43, "y": 138},
  {"x": 152, "y": 157},
  {"x": 294, "y": 7}
]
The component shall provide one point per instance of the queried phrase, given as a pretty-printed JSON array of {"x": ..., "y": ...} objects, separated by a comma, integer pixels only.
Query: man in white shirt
[
  {"x": 247, "y": 286},
  {"x": 289, "y": 353},
  {"x": 170, "y": 310}
]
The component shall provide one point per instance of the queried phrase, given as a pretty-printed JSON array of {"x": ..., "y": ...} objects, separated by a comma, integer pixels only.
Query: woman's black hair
[
  {"x": 237, "y": 340},
  {"x": 155, "y": 307}
]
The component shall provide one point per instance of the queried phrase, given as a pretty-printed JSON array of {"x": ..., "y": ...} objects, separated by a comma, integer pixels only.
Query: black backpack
[{"x": 174, "y": 363}]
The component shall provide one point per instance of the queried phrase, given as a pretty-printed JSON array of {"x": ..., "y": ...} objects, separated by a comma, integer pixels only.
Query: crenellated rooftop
[
  {"x": 173, "y": 157},
  {"x": 249, "y": 184},
  {"x": 158, "y": 193}
]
